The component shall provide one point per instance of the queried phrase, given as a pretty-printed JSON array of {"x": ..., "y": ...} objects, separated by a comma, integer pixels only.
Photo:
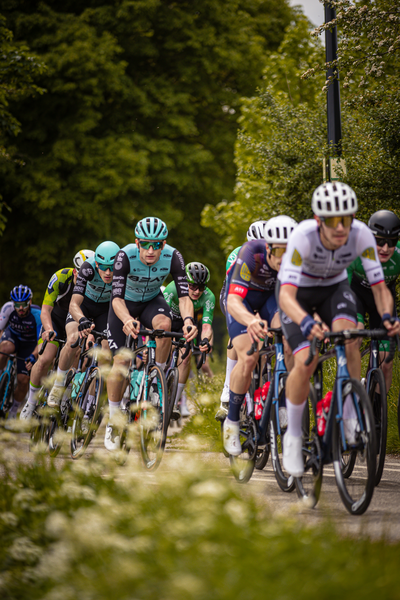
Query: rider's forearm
[
  {"x": 383, "y": 299},
  {"x": 238, "y": 311},
  {"x": 207, "y": 332},
  {"x": 75, "y": 307},
  {"x": 288, "y": 303},
  {"x": 45, "y": 317},
  {"x": 186, "y": 307},
  {"x": 121, "y": 310}
]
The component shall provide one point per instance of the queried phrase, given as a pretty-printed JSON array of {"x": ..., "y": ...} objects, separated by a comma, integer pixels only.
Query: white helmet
[
  {"x": 334, "y": 198},
  {"x": 81, "y": 256},
  {"x": 256, "y": 231},
  {"x": 278, "y": 229}
]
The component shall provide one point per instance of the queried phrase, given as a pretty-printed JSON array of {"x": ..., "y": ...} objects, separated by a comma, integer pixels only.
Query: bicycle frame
[{"x": 10, "y": 370}]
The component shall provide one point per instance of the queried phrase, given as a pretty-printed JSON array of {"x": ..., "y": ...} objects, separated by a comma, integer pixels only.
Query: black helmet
[
  {"x": 385, "y": 224},
  {"x": 197, "y": 273}
]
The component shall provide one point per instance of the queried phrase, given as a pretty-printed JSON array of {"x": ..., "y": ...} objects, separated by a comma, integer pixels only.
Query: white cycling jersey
[
  {"x": 5, "y": 313},
  {"x": 307, "y": 263}
]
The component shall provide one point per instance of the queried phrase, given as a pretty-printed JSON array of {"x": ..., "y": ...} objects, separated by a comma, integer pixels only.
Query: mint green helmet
[
  {"x": 151, "y": 228},
  {"x": 106, "y": 253}
]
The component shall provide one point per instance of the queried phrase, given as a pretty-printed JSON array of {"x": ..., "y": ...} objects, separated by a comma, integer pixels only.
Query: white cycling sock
[
  {"x": 295, "y": 415},
  {"x": 113, "y": 408},
  {"x": 162, "y": 365},
  {"x": 349, "y": 410},
  {"x": 33, "y": 392},
  {"x": 230, "y": 363},
  {"x": 60, "y": 378}
]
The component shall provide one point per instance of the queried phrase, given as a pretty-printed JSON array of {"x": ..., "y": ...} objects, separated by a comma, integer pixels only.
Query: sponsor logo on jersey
[
  {"x": 118, "y": 265},
  {"x": 296, "y": 260},
  {"x": 369, "y": 253},
  {"x": 245, "y": 273},
  {"x": 52, "y": 281},
  {"x": 87, "y": 272},
  {"x": 154, "y": 269},
  {"x": 164, "y": 269}
]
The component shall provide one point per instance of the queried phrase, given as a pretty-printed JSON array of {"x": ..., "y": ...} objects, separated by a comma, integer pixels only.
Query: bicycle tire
[
  {"x": 379, "y": 409},
  {"x": 356, "y": 492},
  {"x": 243, "y": 465},
  {"x": 60, "y": 419},
  {"x": 308, "y": 487},
  {"x": 153, "y": 419},
  {"x": 83, "y": 429},
  {"x": 4, "y": 384},
  {"x": 172, "y": 388},
  {"x": 262, "y": 456},
  {"x": 284, "y": 480}
]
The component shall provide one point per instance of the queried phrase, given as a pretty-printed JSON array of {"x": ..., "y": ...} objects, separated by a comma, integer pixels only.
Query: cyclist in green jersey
[
  {"x": 385, "y": 226},
  {"x": 255, "y": 232},
  {"x": 203, "y": 304},
  {"x": 53, "y": 314}
]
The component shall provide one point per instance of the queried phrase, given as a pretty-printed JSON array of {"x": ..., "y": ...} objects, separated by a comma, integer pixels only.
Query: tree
[{"x": 139, "y": 118}]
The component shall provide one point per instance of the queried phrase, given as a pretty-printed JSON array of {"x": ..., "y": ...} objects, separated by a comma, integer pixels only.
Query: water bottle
[{"x": 322, "y": 412}]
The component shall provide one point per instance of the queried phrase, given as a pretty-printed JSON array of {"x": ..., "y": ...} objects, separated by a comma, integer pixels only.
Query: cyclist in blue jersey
[
  {"x": 20, "y": 322},
  {"x": 251, "y": 307},
  {"x": 88, "y": 309},
  {"x": 139, "y": 272}
]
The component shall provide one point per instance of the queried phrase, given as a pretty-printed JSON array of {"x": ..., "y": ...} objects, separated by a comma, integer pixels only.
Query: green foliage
[
  {"x": 139, "y": 118},
  {"x": 92, "y": 530}
]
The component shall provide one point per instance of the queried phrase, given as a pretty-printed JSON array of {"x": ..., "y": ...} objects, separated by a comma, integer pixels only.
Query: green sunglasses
[{"x": 147, "y": 244}]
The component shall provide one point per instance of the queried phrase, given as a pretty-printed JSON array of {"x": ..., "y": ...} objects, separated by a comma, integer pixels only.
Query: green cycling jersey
[
  {"x": 205, "y": 304},
  {"x": 391, "y": 269}
]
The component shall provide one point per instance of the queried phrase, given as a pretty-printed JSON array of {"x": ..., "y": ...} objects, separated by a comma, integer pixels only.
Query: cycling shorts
[
  {"x": 331, "y": 303},
  {"x": 95, "y": 311},
  {"x": 22, "y": 349},
  {"x": 366, "y": 305},
  {"x": 263, "y": 303},
  {"x": 142, "y": 311}
]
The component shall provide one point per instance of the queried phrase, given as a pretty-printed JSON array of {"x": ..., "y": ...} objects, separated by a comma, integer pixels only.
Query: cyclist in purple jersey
[{"x": 20, "y": 322}]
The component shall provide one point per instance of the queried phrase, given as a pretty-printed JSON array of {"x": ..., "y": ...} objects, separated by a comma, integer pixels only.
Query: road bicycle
[
  {"x": 87, "y": 396},
  {"x": 7, "y": 383},
  {"x": 332, "y": 447}
]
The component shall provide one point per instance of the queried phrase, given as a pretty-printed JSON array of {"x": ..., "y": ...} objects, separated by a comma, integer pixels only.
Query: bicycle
[
  {"x": 148, "y": 402},
  {"x": 7, "y": 383},
  {"x": 332, "y": 447},
  {"x": 86, "y": 395}
]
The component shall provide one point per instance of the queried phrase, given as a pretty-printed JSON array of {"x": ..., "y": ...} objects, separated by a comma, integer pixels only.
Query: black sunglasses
[{"x": 391, "y": 242}]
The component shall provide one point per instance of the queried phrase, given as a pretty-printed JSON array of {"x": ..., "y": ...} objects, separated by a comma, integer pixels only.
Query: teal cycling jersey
[
  {"x": 391, "y": 269},
  {"x": 204, "y": 305},
  {"x": 137, "y": 282},
  {"x": 90, "y": 285}
]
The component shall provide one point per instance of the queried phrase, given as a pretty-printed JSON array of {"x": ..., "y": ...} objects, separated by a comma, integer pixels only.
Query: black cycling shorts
[
  {"x": 58, "y": 326},
  {"x": 332, "y": 302},
  {"x": 95, "y": 311},
  {"x": 142, "y": 311}
]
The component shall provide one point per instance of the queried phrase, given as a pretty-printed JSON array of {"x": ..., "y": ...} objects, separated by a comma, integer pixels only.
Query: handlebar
[
  {"x": 254, "y": 345},
  {"x": 52, "y": 339}
]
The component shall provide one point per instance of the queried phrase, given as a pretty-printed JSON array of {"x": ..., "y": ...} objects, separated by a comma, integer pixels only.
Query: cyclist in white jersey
[{"x": 312, "y": 279}]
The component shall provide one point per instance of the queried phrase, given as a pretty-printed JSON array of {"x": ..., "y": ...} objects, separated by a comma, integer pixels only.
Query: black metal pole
[{"x": 333, "y": 94}]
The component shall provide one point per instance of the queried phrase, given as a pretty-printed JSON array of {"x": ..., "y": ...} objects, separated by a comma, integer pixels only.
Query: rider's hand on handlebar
[
  {"x": 191, "y": 334},
  {"x": 131, "y": 327},
  {"x": 257, "y": 329},
  {"x": 392, "y": 326},
  {"x": 47, "y": 335},
  {"x": 85, "y": 327},
  {"x": 205, "y": 346},
  {"x": 311, "y": 329}
]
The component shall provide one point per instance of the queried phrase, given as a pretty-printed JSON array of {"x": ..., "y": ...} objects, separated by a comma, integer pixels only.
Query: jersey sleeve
[
  {"x": 52, "y": 290},
  {"x": 36, "y": 313},
  {"x": 209, "y": 305},
  {"x": 120, "y": 275},
  {"x": 170, "y": 294},
  {"x": 5, "y": 313},
  {"x": 366, "y": 249},
  {"x": 244, "y": 266},
  {"x": 297, "y": 252},
  {"x": 86, "y": 273},
  {"x": 179, "y": 274}
]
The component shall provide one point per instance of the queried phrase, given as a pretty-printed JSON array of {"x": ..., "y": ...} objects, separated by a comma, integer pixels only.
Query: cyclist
[
  {"x": 250, "y": 298},
  {"x": 385, "y": 226},
  {"x": 139, "y": 271},
  {"x": 20, "y": 322},
  {"x": 255, "y": 232},
  {"x": 88, "y": 309},
  {"x": 203, "y": 304},
  {"x": 313, "y": 278},
  {"x": 53, "y": 315}
]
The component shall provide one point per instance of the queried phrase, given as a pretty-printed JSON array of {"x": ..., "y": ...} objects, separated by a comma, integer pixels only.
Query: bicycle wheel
[
  {"x": 5, "y": 394},
  {"x": 87, "y": 417},
  {"x": 278, "y": 427},
  {"x": 262, "y": 456},
  {"x": 243, "y": 465},
  {"x": 356, "y": 492},
  {"x": 172, "y": 388},
  {"x": 379, "y": 408},
  {"x": 309, "y": 485},
  {"x": 59, "y": 421},
  {"x": 153, "y": 420},
  {"x": 40, "y": 433}
]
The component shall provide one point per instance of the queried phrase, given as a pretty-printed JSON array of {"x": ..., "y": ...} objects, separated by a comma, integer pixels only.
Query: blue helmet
[
  {"x": 151, "y": 228},
  {"x": 105, "y": 253},
  {"x": 21, "y": 293}
]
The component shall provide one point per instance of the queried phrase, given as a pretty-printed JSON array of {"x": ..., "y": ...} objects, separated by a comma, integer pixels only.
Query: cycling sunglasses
[
  {"x": 147, "y": 244},
  {"x": 106, "y": 267},
  {"x": 391, "y": 242},
  {"x": 277, "y": 252},
  {"x": 197, "y": 286},
  {"x": 333, "y": 222},
  {"x": 18, "y": 305}
]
